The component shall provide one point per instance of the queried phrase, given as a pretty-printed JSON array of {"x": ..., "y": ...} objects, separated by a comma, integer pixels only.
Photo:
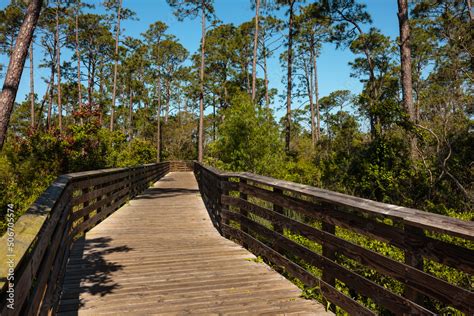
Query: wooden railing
[
  {"x": 313, "y": 235},
  {"x": 35, "y": 256}
]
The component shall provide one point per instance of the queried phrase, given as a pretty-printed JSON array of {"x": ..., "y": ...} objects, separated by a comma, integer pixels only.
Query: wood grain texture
[
  {"x": 417, "y": 218},
  {"x": 160, "y": 254}
]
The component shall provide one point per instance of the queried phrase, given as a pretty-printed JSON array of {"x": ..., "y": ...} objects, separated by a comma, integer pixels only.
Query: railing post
[
  {"x": 243, "y": 196},
  {"x": 243, "y": 212},
  {"x": 220, "y": 193},
  {"x": 414, "y": 259},
  {"x": 330, "y": 253},
  {"x": 131, "y": 177},
  {"x": 278, "y": 209},
  {"x": 85, "y": 204}
]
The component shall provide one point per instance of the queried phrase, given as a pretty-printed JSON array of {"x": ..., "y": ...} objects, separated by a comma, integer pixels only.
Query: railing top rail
[
  {"x": 220, "y": 173},
  {"x": 413, "y": 217},
  {"x": 97, "y": 173}
]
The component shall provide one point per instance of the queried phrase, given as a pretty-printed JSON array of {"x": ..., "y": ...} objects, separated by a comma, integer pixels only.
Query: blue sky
[{"x": 334, "y": 71}]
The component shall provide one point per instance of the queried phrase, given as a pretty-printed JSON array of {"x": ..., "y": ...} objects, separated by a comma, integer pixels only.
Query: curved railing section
[
  {"x": 313, "y": 235},
  {"x": 37, "y": 246}
]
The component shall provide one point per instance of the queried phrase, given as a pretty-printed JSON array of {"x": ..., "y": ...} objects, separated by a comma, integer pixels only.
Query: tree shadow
[
  {"x": 157, "y": 193},
  {"x": 89, "y": 272}
]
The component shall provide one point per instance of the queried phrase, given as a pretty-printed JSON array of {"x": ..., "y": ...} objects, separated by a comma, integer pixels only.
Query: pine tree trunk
[
  {"x": 405, "y": 59},
  {"x": 265, "y": 73},
  {"x": 289, "y": 78},
  {"x": 51, "y": 91},
  {"x": 32, "y": 88},
  {"x": 89, "y": 83},
  {"x": 102, "y": 93},
  {"x": 114, "y": 89},
  {"x": 93, "y": 71},
  {"x": 201, "y": 94},
  {"x": 130, "y": 115},
  {"x": 309, "y": 84},
  {"x": 41, "y": 108},
  {"x": 158, "y": 123},
  {"x": 78, "y": 56},
  {"x": 168, "y": 97},
  {"x": 316, "y": 95},
  {"x": 214, "y": 120},
  {"x": 58, "y": 68},
  {"x": 255, "y": 46},
  {"x": 16, "y": 65}
]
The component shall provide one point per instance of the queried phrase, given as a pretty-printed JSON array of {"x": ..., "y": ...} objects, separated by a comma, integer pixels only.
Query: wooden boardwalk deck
[{"x": 160, "y": 254}]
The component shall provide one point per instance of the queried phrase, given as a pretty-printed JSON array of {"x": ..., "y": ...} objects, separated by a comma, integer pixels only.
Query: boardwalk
[{"x": 160, "y": 254}]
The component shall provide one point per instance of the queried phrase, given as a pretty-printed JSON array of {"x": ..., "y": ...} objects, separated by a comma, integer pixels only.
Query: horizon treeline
[{"x": 116, "y": 100}]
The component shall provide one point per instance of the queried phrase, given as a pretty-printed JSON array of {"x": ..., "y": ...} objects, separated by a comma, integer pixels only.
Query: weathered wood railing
[
  {"x": 312, "y": 234},
  {"x": 73, "y": 204}
]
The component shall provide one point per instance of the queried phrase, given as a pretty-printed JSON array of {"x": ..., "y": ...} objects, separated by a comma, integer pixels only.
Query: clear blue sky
[{"x": 334, "y": 71}]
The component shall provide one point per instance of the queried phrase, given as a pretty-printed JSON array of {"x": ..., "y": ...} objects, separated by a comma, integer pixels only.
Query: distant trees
[{"x": 191, "y": 9}]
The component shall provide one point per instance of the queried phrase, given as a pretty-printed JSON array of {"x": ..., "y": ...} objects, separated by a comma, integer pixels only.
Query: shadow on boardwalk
[
  {"x": 89, "y": 272},
  {"x": 161, "y": 193}
]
